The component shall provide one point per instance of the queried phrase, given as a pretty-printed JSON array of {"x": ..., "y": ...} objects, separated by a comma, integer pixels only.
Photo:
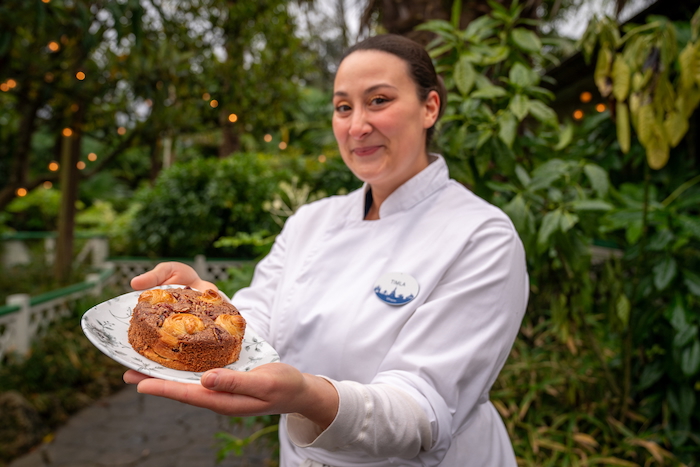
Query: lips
[{"x": 366, "y": 150}]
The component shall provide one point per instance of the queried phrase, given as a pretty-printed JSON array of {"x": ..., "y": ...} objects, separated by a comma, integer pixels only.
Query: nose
[{"x": 359, "y": 125}]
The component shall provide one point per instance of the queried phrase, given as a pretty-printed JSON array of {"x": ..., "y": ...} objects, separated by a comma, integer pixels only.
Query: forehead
[{"x": 366, "y": 68}]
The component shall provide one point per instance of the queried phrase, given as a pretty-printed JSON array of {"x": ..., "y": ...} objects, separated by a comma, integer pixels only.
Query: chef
[{"x": 393, "y": 308}]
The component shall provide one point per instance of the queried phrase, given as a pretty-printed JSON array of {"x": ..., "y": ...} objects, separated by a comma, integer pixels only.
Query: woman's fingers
[
  {"x": 170, "y": 273},
  {"x": 134, "y": 377},
  {"x": 193, "y": 394}
]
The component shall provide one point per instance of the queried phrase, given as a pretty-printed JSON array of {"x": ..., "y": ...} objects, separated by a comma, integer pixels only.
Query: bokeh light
[
  {"x": 53, "y": 166},
  {"x": 121, "y": 131},
  {"x": 80, "y": 75},
  {"x": 21, "y": 192},
  {"x": 67, "y": 132},
  {"x": 268, "y": 138},
  {"x": 47, "y": 184},
  {"x": 53, "y": 46},
  {"x": 233, "y": 118},
  {"x": 214, "y": 103},
  {"x": 92, "y": 157},
  {"x": 578, "y": 114},
  {"x": 600, "y": 107},
  {"x": 282, "y": 145},
  {"x": 80, "y": 165},
  {"x": 586, "y": 97},
  {"x": 322, "y": 158}
]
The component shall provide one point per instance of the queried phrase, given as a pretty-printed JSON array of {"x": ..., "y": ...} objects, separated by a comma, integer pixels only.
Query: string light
[
  {"x": 322, "y": 158},
  {"x": 47, "y": 184},
  {"x": 268, "y": 138},
  {"x": 233, "y": 118},
  {"x": 600, "y": 107},
  {"x": 121, "y": 131},
  {"x": 214, "y": 103},
  {"x": 586, "y": 97},
  {"x": 67, "y": 132},
  {"x": 283, "y": 145},
  {"x": 80, "y": 75},
  {"x": 206, "y": 96},
  {"x": 21, "y": 192},
  {"x": 11, "y": 83},
  {"x": 53, "y": 46},
  {"x": 92, "y": 157},
  {"x": 578, "y": 115},
  {"x": 53, "y": 166},
  {"x": 4, "y": 87},
  {"x": 80, "y": 165}
]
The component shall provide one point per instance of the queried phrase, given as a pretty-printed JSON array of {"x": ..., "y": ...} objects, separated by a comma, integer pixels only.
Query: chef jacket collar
[{"x": 415, "y": 190}]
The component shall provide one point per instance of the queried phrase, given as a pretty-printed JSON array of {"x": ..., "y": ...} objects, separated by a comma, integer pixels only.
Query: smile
[{"x": 366, "y": 151}]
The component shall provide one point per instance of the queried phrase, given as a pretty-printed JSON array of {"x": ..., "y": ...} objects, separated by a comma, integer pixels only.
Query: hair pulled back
[{"x": 420, "y": 67}]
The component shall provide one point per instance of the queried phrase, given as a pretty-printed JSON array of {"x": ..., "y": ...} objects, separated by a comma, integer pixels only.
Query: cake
[{"x": 185, "y": 329}]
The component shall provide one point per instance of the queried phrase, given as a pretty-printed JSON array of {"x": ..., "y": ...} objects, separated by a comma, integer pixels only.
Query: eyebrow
[{"x": 369, "y": 90}]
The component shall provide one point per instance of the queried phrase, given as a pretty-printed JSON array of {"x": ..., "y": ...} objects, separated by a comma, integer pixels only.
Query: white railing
[
  {"x": 25, "y": 318},
  {"x": 208, "y": 269}
]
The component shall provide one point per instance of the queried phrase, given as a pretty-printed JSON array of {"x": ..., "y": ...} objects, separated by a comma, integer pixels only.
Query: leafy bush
[
  {"x": 197, "y": 202},
  {"x": 194, "y": 203}
]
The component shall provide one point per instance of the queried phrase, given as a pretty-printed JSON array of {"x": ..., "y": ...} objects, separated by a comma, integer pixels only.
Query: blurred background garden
[{"x": 135, "y": 131}]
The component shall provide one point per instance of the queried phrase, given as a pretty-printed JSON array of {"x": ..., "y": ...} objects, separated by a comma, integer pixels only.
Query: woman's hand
[
  {"x": 171, "y": 273},
  {"x": 273, "y": 388}
]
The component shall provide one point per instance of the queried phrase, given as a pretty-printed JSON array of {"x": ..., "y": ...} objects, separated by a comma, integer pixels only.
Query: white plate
[{"x": 106, "y": 326}]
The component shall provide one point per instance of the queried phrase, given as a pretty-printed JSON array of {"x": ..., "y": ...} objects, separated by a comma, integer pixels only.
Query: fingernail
[{"x": 210, "y": 379}]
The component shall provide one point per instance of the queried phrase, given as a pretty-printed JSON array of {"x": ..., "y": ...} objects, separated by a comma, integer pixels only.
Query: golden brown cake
[{"x": 185, "y": 329}]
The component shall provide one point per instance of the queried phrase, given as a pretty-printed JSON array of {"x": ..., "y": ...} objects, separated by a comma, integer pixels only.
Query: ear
[{"x": 432, "y": 109}]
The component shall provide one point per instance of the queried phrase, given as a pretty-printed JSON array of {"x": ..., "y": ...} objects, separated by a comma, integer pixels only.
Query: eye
[
  {"x": 379, "y": 100},
  {"x": 342, "y": 108}
]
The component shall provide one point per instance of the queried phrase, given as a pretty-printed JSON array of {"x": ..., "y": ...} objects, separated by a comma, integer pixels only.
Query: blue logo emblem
[{"x": 396, "y": 288}]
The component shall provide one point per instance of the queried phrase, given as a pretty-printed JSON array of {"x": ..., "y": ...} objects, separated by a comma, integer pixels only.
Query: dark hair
[{"x": 420, "y": 66}]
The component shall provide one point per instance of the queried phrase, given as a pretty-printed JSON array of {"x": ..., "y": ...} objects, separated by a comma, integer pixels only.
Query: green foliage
[
  {"x": 229, "y": 201},
  {"x": 651, "y": 72},
  {"x": 194, "y": 203},
  {"x": 38, "y": 210},
  {"x": 629, "y": 320},
  {"x": 494, "y": 95}
]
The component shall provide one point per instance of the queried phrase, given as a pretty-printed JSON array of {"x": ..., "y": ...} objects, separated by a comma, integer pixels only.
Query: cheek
[{"x": 339, "y": 129}]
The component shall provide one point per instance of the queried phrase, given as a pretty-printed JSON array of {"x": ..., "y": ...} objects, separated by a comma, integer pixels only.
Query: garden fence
[{"x": 26, "y": 317}]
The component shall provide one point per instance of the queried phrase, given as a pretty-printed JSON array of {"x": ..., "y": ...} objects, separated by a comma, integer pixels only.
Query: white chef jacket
[{"x": 312, "y": 298}]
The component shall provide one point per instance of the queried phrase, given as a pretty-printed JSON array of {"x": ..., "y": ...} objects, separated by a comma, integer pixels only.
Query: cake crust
[{"x": 185, "y": 329}]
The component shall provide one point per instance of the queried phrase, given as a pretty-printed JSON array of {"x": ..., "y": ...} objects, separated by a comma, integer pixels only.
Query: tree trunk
[{"x": 70, "y": 155}]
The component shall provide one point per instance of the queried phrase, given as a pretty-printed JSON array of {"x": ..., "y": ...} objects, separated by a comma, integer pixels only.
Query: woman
[{"x": 406, "y": 376}]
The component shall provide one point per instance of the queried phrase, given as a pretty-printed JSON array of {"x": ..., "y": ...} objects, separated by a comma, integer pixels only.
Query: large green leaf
[
  {"x": 550, "y": 224},
  {"x": 692, "y": 281},
  {"x": 526, "y": 40},
  {"x": 598, "y": 178},
  {"x": 685, "y": 335},
  {"x": 508, "y": 127},
  {"x": 522, "y": 76},
  {"x": 542, "y": 112},
  {"x": 519, "y": 106},
  {"x": 464, "y": 75},
  {"x": 690, "y": 359},
  {"x": 591, "y": 205},
  {"x": 664, "y": 272},
  {"x": 489, "y": 92}
]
